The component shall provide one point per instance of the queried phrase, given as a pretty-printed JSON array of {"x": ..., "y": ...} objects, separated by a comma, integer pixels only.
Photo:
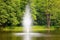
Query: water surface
[{"x": 55, "y": 35}]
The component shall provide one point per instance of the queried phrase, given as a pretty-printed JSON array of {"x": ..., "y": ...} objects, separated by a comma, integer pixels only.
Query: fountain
[{"x": 27, "y": 23}]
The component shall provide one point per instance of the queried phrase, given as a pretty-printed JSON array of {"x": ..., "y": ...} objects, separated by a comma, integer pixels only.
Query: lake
[{"x": 53, "y": 35}]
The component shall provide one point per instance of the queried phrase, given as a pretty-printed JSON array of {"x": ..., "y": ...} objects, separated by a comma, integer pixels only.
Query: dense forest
[{"x": 44, "y": 12}]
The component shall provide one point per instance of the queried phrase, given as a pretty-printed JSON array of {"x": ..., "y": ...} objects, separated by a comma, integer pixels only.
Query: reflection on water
[
  {"x": 9, "y": 36},
  {"x": 55, "y": 35}
]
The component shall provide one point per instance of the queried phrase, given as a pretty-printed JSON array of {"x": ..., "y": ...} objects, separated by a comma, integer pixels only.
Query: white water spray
[{"x": 27, "y": 22}]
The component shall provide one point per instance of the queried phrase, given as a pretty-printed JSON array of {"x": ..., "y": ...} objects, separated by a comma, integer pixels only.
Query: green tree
[
  {"x": 11, "y": 11},
  {"x": 46, "y": 11}
]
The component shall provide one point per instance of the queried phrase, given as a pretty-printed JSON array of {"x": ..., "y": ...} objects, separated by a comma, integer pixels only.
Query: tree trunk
[{"x": 48, "y": 20}]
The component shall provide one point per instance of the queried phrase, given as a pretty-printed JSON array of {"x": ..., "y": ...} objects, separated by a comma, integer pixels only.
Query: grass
[
  {"x": 41, "y": 28},
  {"x": 13, "y": 29},
  {"x": 34, "y": 28}
]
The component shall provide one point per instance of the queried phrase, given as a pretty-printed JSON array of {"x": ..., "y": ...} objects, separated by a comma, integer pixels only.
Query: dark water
[{"x": 54, "y": 35}]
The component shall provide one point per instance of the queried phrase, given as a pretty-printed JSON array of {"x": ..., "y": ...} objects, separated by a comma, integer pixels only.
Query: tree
[
  {"x": 49, "y": 8},
  {"x": 11, "y": 11}
]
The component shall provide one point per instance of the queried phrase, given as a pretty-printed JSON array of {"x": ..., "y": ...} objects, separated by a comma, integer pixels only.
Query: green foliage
[
  {"x": 11, "y": 11},
  {"x": 42, "y": 7}
]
